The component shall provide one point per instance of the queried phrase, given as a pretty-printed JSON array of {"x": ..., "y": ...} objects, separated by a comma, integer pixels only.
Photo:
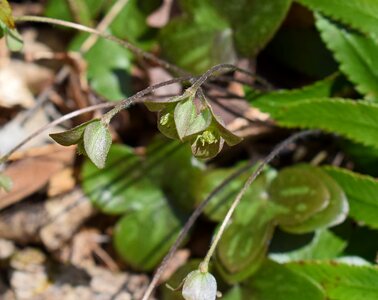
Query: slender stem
[
  {"x": 52, "y": 124},
  {"x": 85, "y": 47},
  {"x": 197, "y": 212},
  {"x": 121, "y": 105},
  {"x": 105, "y": 22},
  {"x": 124, "y": 103},
  {"x": 249, "y": 181},
  {"x": 131, "y": 47}
]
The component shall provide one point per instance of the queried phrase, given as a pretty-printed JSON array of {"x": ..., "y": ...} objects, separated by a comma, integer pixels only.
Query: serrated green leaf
[
  {"x": 5, "y": 182},
  {"x": 336, "y": 211},
  {"x": 72, "y": 136},
  {"x": 301, "y": 192},
  {"x": 355, "y": 120},
  {"x": 143, "y": 237},
  {"x": 341, "y": 281},
  {"x": 122, "y": 186},
  {"x": 188, "y": 120},
  {"x": 324, "y": 245},
  {"x": 275, "y": 101},
  {"x": 356, "y": 53},
  {"x": 360, "y": 14},
  {"x": 97, "y": 142},
  {"x": 6, "y": 16},
  {"x": 362, "y": 194},
  {"x": 278, "y": 282}
]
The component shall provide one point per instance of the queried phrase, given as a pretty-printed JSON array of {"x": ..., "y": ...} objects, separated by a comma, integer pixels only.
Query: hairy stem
[{"x": 197, "y": 212}]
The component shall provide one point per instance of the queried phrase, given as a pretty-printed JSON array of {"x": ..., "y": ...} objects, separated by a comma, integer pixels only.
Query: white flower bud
[{"x": 199, "y": 286}]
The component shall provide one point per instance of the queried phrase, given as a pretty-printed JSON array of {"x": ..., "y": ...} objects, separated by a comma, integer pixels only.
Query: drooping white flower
[{"x": 199, "y": 286}]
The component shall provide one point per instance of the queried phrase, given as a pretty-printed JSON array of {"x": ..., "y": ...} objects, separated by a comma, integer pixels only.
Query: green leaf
[
  {"x": 214, "y": 28},
  {"x": 324, "y": 245},
  {"x": 166, "y": 157},
  {"x": 278, "y": 282},
  {"x": 362, "y": 194},
  {"x": 188, "y": 120},
  {"x": 336, "y": 211},
  {"x": 109, "y": 66},
  {"x": 59, "y": 9},
  {"x": 236, "y": 293},
  {"x": 356, "y": 53},
  {"x": 5, "y": 182},
  {"x": 275, "y": 101},
  {"x": 122, "y": 186},
  {"x": 131, "y": 22},
  {"x": 72, "y": 136},
  {"x": 254, "y": 22},
  {"x": 97, "y": 142},
  {"x": 217, "y": 208},
  {"x": 196, "y": 47},
  {"x": 341, "y": 281},
  {"x": 300, "y": 191},
  {"x": 6, "y": 16},
  {"x": 243, "y": 245},
  {"x": 143, "y": 237},
  {"x": 355, "y": 120},
  {"x": 360, "y": 14}
]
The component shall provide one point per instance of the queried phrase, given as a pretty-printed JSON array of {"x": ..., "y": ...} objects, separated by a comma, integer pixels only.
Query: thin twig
[
  {"x": 241, "y": 193},
  {"x": 105, "y": 22},
  {"x": 126, "y": 103},
  {"x": 192, "y": 219},
  {"x": 85, "y": 47},
  {"x": 137, "y": 51}
]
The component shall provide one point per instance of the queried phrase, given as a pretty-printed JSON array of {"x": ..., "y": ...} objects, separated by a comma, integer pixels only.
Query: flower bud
[{"x": 199, "y": 286}]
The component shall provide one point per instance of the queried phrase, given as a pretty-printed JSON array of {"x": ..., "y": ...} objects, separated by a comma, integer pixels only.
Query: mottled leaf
[
  {"x": 300, "y": 191},
  {"x": 336, "y": 211}
]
